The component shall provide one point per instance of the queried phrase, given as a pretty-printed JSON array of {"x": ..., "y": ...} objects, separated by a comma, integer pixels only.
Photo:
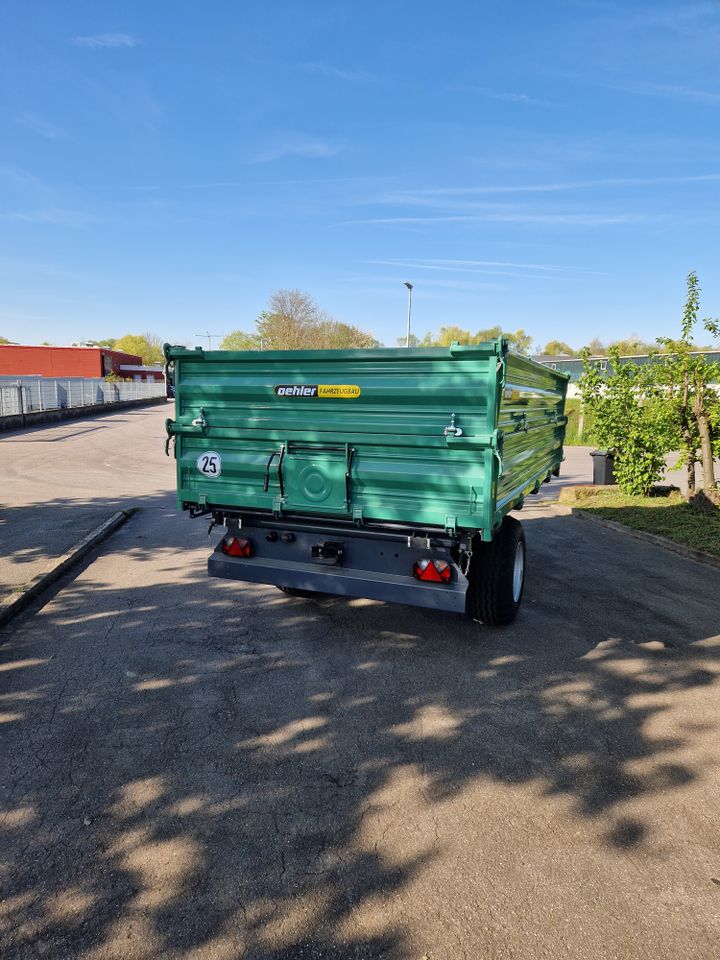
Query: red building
[{"x": 21, "y": 361}]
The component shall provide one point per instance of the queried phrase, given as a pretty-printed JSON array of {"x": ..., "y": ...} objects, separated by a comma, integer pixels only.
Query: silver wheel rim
[{"x": 518, "y": 571}]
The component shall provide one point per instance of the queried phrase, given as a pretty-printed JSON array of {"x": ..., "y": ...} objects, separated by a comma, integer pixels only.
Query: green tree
[
  {"x": 147, "y": 346},
  {"x": 629, "y": 347},
  {"x": 632, "y": 346},
  {"x": 240, "y": 340},
  {"x": 289, "y": 322},
  {"x": 685, "y": 379},
  {"x": 293, "y": 321},
  {"x": 629, "y": 420},
  {"x": 489, "y": 333},
  {"x": 334, "y": 335},
  {"x": 108, "y": 342},
  {"x": 5, "y": 340},
  {"x": 519, "y": 341},
  {"x": 556, "y": 348},
  {"x": 447, "y": 335}
]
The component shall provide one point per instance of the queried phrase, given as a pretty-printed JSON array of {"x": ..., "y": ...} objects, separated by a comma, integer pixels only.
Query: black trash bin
[{"x": 603, "y": 467}]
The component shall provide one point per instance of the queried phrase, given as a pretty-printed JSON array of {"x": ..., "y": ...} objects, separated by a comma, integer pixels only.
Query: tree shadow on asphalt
[
  {"x": 33, "y": 533},
  {"x": 198, "y": 766},
  {"x": 38, "y": 531}
]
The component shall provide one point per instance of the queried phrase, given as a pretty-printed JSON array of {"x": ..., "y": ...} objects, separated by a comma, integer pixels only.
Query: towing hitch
[{"x": 327, "y": 552}]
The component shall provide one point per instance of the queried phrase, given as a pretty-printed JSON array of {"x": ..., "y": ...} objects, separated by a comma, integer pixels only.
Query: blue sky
[{"x": 166, "y": 166}]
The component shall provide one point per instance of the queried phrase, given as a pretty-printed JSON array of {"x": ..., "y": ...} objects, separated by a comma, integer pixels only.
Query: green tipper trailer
[{"x": 386, "y": 474}]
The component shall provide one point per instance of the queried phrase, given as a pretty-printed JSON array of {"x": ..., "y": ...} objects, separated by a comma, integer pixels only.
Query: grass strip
[{"x": 668, "y": 515}]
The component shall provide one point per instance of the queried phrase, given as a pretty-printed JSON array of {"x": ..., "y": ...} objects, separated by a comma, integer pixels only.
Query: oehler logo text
[{"x": 320, "y": 391}]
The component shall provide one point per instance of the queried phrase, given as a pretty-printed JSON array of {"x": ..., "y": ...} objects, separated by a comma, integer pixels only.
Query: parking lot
[{"x": 195, "y": 768}]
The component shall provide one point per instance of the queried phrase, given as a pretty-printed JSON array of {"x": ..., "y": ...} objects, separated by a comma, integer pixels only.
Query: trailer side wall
[{"x": 395, "y": 436}]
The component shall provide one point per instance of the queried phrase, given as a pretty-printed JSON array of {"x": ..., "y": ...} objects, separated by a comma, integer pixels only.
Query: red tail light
[
  {"x": 235, "y": 547},
  {"x": 436, "y": 571}
]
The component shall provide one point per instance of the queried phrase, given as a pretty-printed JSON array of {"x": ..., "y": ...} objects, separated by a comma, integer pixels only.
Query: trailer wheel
[{"x": 497, "y": 576}]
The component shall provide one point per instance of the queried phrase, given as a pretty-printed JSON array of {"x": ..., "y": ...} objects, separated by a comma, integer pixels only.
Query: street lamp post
[
  {"x": 409, "y": 286},
  {"x": 210, "y": 337}
]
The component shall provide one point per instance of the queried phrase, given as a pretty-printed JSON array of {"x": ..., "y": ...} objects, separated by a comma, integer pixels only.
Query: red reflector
[
  {"x": 435, "y": 571},
  {"x": 235, "y": 547}
]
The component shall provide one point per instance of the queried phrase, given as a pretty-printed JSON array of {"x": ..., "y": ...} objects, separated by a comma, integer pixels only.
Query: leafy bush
[{"x": 630, "y": 420}]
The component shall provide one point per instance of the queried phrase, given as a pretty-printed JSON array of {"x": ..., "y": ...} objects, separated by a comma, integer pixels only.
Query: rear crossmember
[{"x": 381, "y": 564}]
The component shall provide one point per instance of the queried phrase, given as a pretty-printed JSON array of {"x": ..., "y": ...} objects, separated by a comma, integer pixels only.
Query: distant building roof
[
  {"x": 564, "y": 358},
  {"x": 139, "y": 368},
  {"x": 552, "y": 357}
]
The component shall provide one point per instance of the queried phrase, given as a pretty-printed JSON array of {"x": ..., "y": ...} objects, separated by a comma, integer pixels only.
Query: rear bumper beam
[{"x": 341, "y": 581}]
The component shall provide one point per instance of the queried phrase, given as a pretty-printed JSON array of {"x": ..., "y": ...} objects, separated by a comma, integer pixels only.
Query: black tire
[{"x": 493, "y": 596}]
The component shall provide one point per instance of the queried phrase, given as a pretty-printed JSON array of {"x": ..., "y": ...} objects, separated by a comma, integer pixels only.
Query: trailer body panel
[{"x": 447, "y": 438}]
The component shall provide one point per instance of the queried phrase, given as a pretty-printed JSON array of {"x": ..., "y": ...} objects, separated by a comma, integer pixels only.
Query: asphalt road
[
  {"x": 57, "y": 483},
  {"x": 195, "y": 769}
]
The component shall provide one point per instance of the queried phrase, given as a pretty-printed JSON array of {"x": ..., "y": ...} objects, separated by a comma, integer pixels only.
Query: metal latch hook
[
  {"x": 452, "y": 430},
  {"x": 200, "y": 421}
]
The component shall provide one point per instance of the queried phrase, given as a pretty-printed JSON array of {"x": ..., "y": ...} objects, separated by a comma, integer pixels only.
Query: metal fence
[{"x": 19, "y": 395}]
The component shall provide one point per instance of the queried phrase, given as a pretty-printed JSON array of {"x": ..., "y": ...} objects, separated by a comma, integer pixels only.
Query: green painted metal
[{"x": 449, "y": 437}]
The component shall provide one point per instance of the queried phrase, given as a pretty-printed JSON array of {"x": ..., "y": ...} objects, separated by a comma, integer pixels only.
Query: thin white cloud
[
  {"x": 127, "y": 97},
  {"x": 69, "y": 218},
  {"x": 505, "y": 95},
  {"x": 419, "y": 267},
  {"x": 501, "y": 267},
  {"x": 665, "y": 91},
  {"x": 299, "y": 147},
  {"x": 98, "y": 40},
  {"x": 13, "y": 266},
  {"x": 41, "y": 126},
  {"x": 24, "y": 179},
  {"x": 338, "y": 73},
  {"x": 522, "y": 217},
  {"x": 286, "y": 182},
  {"x": 460, "y": 284},
  {"x": 383, "y": 284},
  {"x": 490, "y": 93},
  {"x": 677, "y": 92},
  {"x": 423, "y": 195}
]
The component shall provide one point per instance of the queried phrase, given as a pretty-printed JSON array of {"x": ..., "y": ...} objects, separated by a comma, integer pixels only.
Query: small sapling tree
[{"x": 686, "y": 379}]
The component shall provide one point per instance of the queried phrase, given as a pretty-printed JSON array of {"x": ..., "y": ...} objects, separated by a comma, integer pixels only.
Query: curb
[
  {"x": 54, "y": 571},
  {"x": 688, "y": 552}
]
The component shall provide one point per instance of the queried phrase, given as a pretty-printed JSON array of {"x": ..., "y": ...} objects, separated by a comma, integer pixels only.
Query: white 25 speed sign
[{"x": 209, "y": 464}]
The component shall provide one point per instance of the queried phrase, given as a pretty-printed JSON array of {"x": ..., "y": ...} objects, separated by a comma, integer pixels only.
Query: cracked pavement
[{"x": 199, "y": 769}]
